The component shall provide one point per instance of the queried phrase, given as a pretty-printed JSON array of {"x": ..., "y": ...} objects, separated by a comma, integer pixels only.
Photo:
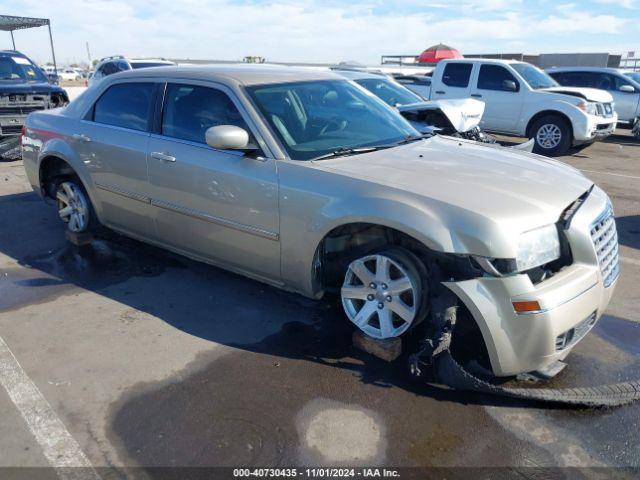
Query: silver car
[{"x": 300, "y": 179}]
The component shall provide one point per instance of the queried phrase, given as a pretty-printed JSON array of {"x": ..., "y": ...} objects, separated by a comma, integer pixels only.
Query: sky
[{"x": 323, "y": 31}]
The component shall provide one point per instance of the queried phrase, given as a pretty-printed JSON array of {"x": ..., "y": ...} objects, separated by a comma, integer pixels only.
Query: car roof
[
  {"x": 358, "y": 74},
  {"x": 499, "y": 61},
  {"x": 585, "y": 69},
  {"x": 243, "y": 74}
]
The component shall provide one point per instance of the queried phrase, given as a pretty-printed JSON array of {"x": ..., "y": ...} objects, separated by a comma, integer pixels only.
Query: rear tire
[
  {"x": 552, "y": 135},
  {"x": 74, "y": 206}
]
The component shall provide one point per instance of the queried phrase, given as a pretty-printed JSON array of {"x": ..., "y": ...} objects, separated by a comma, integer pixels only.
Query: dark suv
[{"x": 24, "y": 88}]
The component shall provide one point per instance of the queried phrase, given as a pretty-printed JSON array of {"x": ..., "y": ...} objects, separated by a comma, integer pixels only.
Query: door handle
[
  {"x": 476, "y": 95},
  {"x": 163, "y": 157},
  {"x": 440, "y": 92},
  {"x": 80, "y": 137}
]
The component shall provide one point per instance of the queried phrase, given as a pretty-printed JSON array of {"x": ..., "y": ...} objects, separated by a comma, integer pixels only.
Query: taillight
[{"x": 23, "y": 132}]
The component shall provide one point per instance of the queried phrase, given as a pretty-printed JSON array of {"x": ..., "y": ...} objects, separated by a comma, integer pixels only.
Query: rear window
[
  {"x": 126, "y": 105},
  {"x": 457, "y": 74}
]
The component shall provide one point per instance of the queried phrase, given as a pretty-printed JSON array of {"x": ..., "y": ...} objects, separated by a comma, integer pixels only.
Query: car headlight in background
[
  {"x": 588, "y": 107},
  {"x": 537, "y": 247}
]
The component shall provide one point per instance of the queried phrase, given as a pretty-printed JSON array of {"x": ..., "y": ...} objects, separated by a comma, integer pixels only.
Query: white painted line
[
  {"x": 632, "y": 261},
  {"x": 609, "y": 173},
  {"x": 59, "y": 447}
]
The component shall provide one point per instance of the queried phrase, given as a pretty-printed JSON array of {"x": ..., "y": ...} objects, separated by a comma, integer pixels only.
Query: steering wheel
[{"x": 339, "y": 124}]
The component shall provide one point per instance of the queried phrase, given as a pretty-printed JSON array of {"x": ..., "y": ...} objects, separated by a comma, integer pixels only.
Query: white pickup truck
[{"x": 524, "y": 101}]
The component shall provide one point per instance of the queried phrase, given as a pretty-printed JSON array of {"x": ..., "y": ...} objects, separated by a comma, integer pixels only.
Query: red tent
[{"x": 438, "y": 52}]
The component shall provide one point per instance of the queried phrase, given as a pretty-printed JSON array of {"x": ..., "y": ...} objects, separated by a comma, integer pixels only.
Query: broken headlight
[{"x": 537, "y": 247}]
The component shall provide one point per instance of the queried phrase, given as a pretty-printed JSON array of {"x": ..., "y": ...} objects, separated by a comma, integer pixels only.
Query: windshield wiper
[{"x": 343, "y": 152}]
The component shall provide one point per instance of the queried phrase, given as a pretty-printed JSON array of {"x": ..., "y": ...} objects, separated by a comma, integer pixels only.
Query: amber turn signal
[{"x": 526, "y": 307}]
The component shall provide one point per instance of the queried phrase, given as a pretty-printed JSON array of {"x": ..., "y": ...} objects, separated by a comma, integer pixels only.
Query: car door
[
  {"x": 455, "y": 81},
  {"x": 219, "y": 205},
  {"x": 112, "y": 142},
  {"x": 503, "y": 97}
]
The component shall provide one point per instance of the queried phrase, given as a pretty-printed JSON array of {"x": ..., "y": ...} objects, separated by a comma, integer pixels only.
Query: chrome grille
[{"x": 605, "y": 241}]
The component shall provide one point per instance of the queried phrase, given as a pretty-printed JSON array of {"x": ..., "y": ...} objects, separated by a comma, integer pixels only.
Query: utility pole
[{"x": 89, "y": 55}]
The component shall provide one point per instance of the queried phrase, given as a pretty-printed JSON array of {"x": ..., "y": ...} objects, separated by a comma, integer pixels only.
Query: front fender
[
  {"x": 551, "y": 105},
  {"x": 441, "y": 229}
]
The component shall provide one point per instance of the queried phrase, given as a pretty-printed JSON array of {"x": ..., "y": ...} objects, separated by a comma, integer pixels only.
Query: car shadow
[
  {"x": 201, "y": 300},
  {"x": 629, "y": 231}
]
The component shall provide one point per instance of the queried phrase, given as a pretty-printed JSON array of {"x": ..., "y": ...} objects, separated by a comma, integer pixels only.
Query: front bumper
[
  {"x": 592, "y": 127},
  {"x": 571, "y": 302}
]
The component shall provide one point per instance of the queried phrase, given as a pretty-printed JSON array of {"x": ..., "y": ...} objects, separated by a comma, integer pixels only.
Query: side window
[
  {"x": 189, "y": 110},
  {"x": 496, "y": 77},
  {"x": 109, "y": 68},
  {"x": 619, "y": 81},
  {"x": 457, "y": 74},
  {"x": 126, "y": 105}
]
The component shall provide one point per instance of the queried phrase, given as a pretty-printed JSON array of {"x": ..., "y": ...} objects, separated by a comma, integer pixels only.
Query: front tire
[
  {"x": 74, "y": 205},
  {"x": 385, "y": 293},
  {"x": 552, "y": 135}
]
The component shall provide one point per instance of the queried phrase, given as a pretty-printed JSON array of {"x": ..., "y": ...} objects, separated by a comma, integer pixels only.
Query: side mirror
[
  {"x": 510, "y": 86},
  {"x": 228, "y": 137},
  {"x": 627, "y": 89}
]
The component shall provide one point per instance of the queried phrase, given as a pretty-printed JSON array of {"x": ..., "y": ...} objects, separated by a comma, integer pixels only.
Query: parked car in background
[
  {"x": 301, "y": 179},
  {"x": 523, "y": 100},
  {"x": 110, "y": 65},
  {"x": 69, "y": 74},
  {"x": 622, "y": 86},
  {"x": 24, "y": 88},
  {"x": 420, "y": 84},
  {"x": 457, "y": 117}
]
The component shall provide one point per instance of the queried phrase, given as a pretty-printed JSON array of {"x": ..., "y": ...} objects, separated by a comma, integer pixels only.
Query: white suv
[
  {"x": 118, "y": 63},
  {"x": 523, "y": 100}
]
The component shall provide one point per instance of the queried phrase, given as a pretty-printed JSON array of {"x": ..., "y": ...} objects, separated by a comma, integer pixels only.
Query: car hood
[
  {"x": 511, "y": 189},
  {"x": 464, "y": 113},
  {"x": 10, "y": 87},
  {"x": 591, "y": 94}
]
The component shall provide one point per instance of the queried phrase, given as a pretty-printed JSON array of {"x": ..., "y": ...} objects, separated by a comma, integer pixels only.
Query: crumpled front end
[{"x": 569, "y": 302}]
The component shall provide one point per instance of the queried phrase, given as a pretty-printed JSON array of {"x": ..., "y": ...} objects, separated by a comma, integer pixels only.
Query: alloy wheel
[
  {"x": 380, "y": 296},
  {"x": 73, "y": 206},
  {"x": 549, "y": 136}
]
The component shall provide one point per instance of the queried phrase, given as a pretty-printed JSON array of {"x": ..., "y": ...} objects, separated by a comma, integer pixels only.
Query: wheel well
[
  {"x": 51, "y": 169},
  {"x": 544, "y": 113}
]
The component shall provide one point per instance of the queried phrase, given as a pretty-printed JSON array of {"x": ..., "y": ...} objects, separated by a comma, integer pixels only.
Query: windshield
[
  {"x": 389, "y": 92},
  {"x": 535, "y": 77},
  {"x": 316, "y": 118},
  {"x": 135, "y": 65},
  {"x": 14, "y": 68},
  {"x": 635, "y": 76}
]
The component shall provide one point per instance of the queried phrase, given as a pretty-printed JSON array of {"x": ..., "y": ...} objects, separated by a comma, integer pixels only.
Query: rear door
[
  {"x": 112, "y": 141},
  {"x": 455, "y": 81},
  {"x": 221, "y": 205},
  {"x": 503, "y": 96}
]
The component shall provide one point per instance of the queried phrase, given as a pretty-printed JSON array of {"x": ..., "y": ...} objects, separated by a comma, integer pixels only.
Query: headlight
[
  {"x": 537, "y": 247},
  {"x": 588, "y": 107}
]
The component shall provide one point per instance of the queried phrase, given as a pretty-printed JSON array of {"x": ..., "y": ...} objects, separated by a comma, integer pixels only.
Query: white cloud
[{"x": 308, "y": 30}]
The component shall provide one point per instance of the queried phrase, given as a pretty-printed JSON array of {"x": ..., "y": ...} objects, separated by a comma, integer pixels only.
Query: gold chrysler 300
[{"x": 306, "y": 181}]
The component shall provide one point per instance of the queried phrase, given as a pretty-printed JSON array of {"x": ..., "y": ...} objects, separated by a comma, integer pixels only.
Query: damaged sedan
[
  {"x": 452, "y": 117},
  {"x": 24, "y": 88},
  {"x": 305, "y": 181}
]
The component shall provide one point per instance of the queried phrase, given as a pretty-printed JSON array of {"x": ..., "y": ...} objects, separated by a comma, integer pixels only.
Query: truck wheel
[
  {"x": 385, "y": 293},
  {"x": 74, "y": 206},
  {"x": 635, "y": 130},
  {"x": 552, "y": 135}
]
